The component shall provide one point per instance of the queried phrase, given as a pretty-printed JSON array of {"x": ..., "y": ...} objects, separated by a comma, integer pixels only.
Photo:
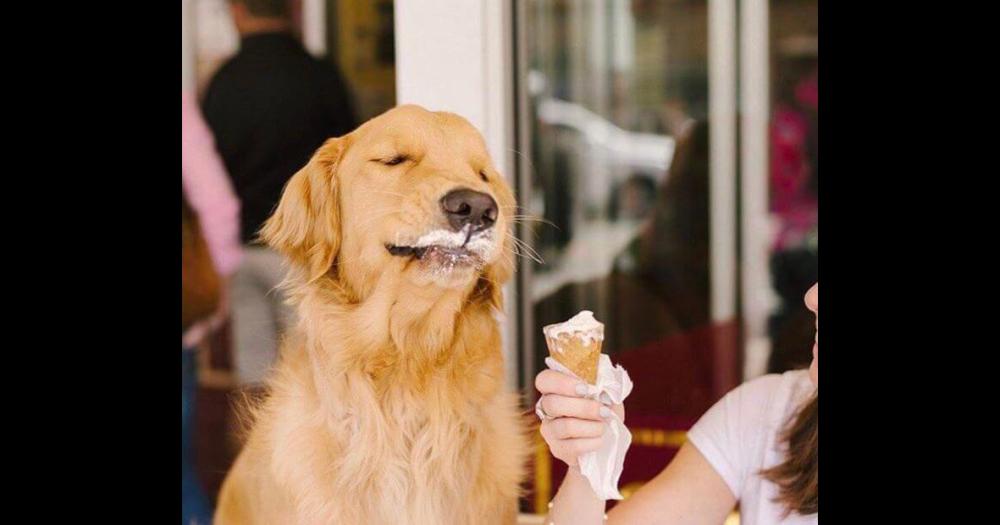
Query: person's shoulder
[
  {"x": 325, "y": 63},
  {"x": 223, "y": 77},
  {"x": 231, "y": 66},
  {"x": 732, "y": 434},
  {"x": 767, "y": 381},
  {"x": 758, "y": 387},
  {"x": 769, "y": 395},
  {"x": 761, "y": 392}
]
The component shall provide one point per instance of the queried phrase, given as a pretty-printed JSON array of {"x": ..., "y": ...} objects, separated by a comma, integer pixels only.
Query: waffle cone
[{"x": 577, "y": 354}]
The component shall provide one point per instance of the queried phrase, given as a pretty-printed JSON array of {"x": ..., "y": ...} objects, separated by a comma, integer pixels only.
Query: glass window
[
  {"x": 618, "y": 174},
  {"x": 619, "y": 171},
  {"x": 793, "y": 184}
]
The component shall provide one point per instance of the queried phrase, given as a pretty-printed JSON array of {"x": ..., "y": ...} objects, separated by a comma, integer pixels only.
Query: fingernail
[
  {"x": 581, "y": 389},
  {"x": 605, "y": 412}
]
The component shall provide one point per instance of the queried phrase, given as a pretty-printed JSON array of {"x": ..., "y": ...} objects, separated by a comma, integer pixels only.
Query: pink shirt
[{"x": 208, "y": 189}]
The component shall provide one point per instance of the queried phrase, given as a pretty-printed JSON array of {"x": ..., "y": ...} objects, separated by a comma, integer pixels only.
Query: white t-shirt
[{"x": 740, "y": 436}]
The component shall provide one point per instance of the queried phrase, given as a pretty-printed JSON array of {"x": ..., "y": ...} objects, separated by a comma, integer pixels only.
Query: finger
[
  {"x": 582, "y": 446},
  {"x": 554, "y": 382},
  {"x": 561, "y": 406},
  {"x": 573, "y": 428},
  {"x": 620, "y": 411}
]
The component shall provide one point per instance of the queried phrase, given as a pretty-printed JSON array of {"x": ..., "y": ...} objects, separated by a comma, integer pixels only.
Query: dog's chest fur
[{"x": 379, "y": 450}]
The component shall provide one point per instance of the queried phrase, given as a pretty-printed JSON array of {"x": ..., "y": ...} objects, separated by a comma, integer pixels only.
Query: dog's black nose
[{"x": 466, "y": 206}]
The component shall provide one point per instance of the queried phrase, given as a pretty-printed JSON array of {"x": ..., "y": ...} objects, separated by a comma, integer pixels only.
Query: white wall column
[
  {"x": 755, "y": 223},
  {"x": 454, "y": 55},
  {"x": 722, "y": 166}
]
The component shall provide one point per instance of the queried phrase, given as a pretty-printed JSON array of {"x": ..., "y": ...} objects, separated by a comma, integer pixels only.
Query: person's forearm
[{"x": 576, "y": 503}]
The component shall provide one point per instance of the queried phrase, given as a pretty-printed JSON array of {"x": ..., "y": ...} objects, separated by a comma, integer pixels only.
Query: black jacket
[{"x": 270, "y": 107}]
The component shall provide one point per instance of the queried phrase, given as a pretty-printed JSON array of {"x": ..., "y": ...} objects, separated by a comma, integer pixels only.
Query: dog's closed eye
[{"x": 393, "y": 160}]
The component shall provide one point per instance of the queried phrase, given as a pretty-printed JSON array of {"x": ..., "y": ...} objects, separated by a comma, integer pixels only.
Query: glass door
[
  {"x": 628, "y": 125},
  {"x": 669, "y": 172},
  {"x": 793, "y": 182}
]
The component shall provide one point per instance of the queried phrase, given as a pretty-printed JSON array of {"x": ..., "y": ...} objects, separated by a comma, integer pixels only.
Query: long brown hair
[{"x": 798, "y": 476}]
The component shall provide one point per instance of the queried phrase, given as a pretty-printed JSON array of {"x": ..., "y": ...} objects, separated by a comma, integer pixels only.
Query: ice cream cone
[{"x": 576, "y": 344}]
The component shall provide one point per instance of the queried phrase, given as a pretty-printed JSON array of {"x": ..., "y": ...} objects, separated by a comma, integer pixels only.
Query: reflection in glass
[
  {"x": 794, "y": 179},
  {"x": 619, "y": 170},
  {"x": 618, "y": 164}
]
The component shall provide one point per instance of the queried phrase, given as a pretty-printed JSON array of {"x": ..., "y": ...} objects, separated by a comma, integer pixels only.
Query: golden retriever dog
[{"x": 388, "y": 405}]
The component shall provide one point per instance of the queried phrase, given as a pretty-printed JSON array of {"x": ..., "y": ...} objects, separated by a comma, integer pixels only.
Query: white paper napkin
[{"x": 603, "y": 467}]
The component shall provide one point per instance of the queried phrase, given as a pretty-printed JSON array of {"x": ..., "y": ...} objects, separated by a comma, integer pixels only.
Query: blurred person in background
[
  {"x": 270, "y": 107},
  {"x": 664, "y": 270},
  {"x": 211, "y": 253},
  {"x": 659, "y": 288}
]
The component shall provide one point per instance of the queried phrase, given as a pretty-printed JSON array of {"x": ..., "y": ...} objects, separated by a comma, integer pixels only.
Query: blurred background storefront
[{"x": 664, "y": 155}]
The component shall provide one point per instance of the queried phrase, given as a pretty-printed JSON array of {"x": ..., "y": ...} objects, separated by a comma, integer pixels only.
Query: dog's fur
[{"x": 387, "y": 404}]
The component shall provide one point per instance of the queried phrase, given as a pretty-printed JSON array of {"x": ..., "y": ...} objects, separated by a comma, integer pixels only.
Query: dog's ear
[{"x": 305, "y": 226}]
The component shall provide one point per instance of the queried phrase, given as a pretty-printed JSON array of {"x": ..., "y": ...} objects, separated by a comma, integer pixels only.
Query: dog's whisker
[
  {"x": 530, "y": 252},
  {"x": 518, "y": 253},
  {"x": 519, "y": 242},
  {"x": 526, "y": 256},
  {"x": 528, "y": 219}
]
